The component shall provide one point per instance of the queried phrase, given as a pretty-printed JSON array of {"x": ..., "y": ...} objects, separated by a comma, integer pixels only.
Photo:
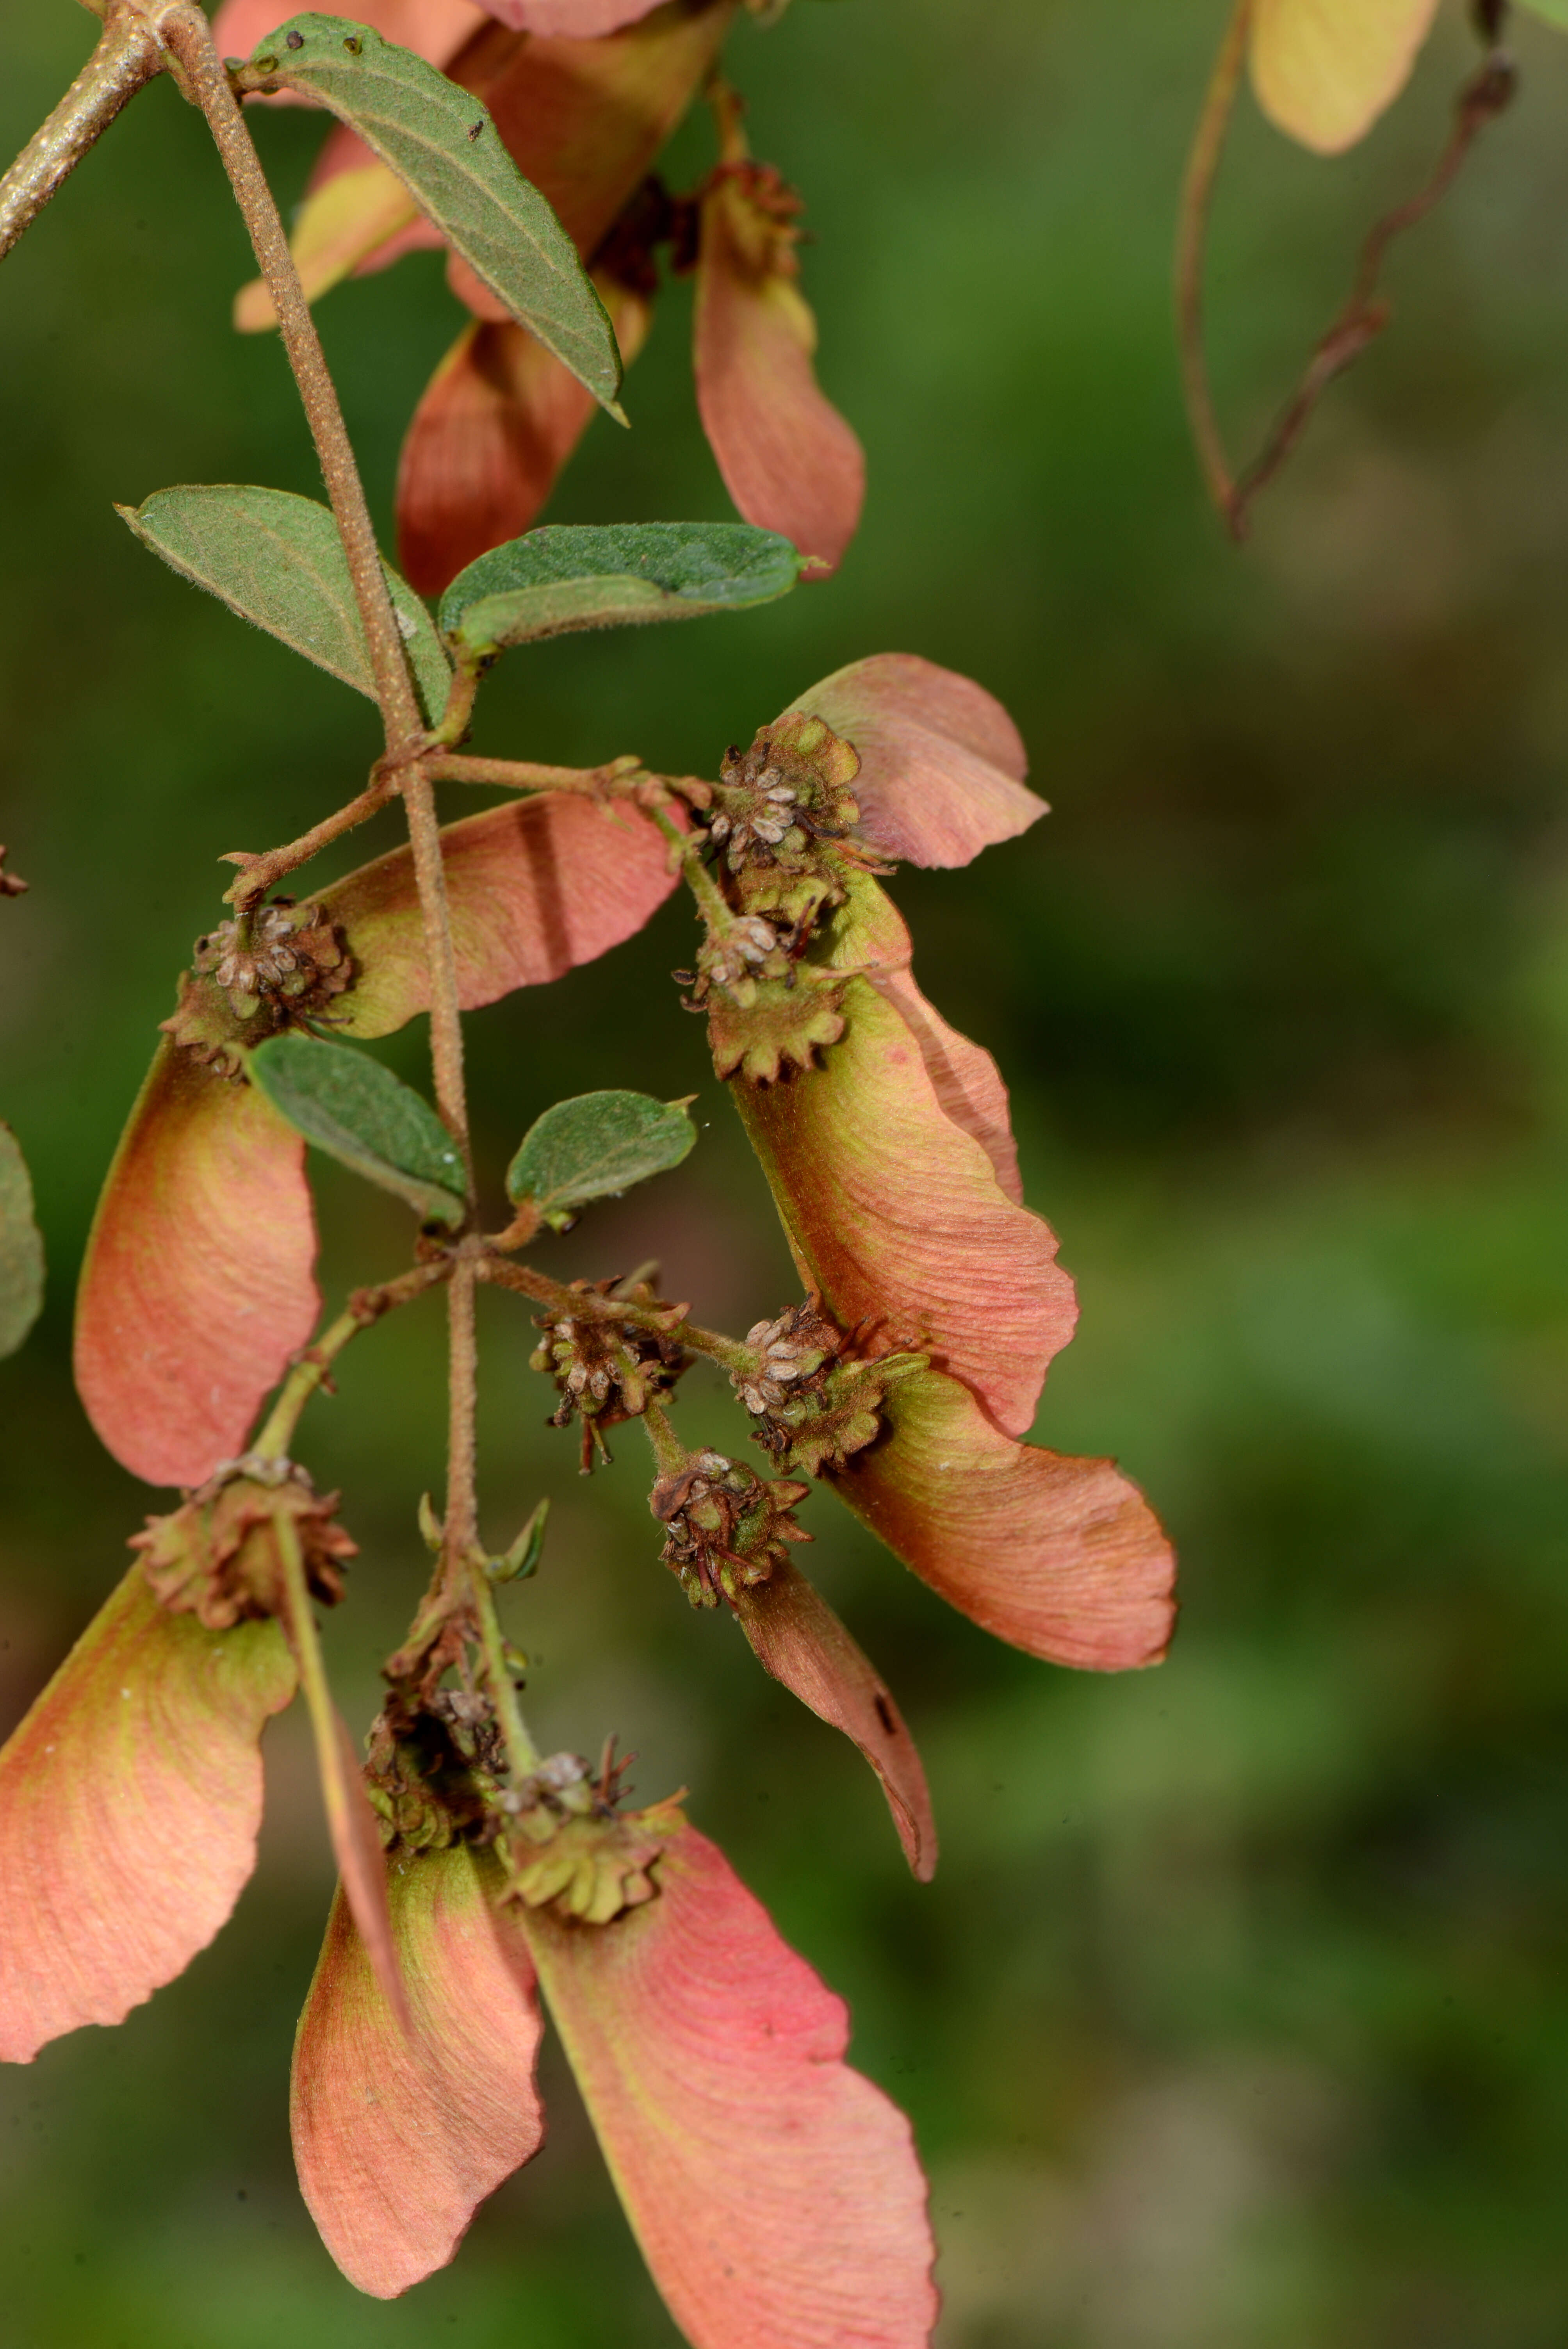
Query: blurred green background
[{"x": 1236, "y": 2018}]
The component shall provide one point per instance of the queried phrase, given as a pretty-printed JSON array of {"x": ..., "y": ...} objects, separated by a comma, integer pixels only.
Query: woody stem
[
  {"x": 127, "y": 57},
  {"x": 185, "y": 29}
]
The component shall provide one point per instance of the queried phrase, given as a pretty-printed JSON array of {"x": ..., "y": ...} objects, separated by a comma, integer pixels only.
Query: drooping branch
[{"x": 127, "y": 57}]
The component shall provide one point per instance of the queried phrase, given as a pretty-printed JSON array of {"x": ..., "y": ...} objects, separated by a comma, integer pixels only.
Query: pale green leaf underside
[
  {"x": 444, "y": 147},
  {"x": 359, "y": 1113},
  {"x": 277, "y": 559},
  {"x": 568, "y": 577},
  {"x": 595, "y": 1147},
  {"x": 21, "y": 1249}
]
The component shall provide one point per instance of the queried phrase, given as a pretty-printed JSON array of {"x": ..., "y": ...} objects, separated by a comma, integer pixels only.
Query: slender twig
[
  {"x": 524, "y": 775},
  {"x": 460, "y": 1524},
  {"x": 260, "y": 873},
  {"x": 522, "y": 1751},
  {"x": 1482, "y": 99},
  {"x": 1191, "y": 240},
  {"x": 446, "y": 1006},
  {"x": 127, "y": 56},
  {"x": 698, "y": 879},
  {"x": 366, "y": 1307},
  {"x": 186, "y": 31},
  {"x": 670, "y": 1454}
]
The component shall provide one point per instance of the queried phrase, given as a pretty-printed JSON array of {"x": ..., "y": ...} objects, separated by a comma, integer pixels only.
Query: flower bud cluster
[
  {"x": 726, "y": 1528},
  {"x": 783, "y": 817},
  {"x": 813, "y": 1408},
  {"x": 286, "y": 956},
  {"x": 606, "y": 1371}
]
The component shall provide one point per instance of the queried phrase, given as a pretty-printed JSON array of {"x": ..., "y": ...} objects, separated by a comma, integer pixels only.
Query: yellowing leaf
[{"x": 1324, "y": 71}]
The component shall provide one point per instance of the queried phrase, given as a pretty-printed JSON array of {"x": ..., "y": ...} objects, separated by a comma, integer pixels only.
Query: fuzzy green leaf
[
  {"x": 21, "y": 1249},
  {"x": 358, "y": 1111},
  {"x": 595, "y": 1147},
  {"x": 568, "y": 577},
  {"x": 277, "y": 559},
  {"x": 444, "y": 147}
]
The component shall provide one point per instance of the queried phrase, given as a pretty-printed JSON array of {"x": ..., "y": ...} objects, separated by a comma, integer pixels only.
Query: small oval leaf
[
  {"x": 568, "y": 577},
  {"x": 595, "y": 1147},
  {"x": 277, "y": 559},
  {"x": 359, "y": 1113},
  {"x": 21, "y": 1249},
  {"x": 443, "y": 145}
]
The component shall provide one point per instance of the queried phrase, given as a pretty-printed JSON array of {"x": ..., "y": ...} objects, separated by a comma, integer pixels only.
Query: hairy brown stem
[
  {"x": 127, "y": 57},
  {"x": 445, "y": 1009},
  {"x": 260, "y": 873},
  {"x": 186, "y": 31},
  {"x": 524, "y": 775},
  {"x": 461, "y": 1523}
]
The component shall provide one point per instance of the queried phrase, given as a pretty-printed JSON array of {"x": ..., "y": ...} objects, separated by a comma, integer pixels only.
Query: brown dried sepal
[
  {"x": 725, "y": 1527},
  {"x": 216, "y": 1557},
  {"x": 784, "y": 815},
  {"x": 761, "y": 1027},
  {"x": 435, "y": 1770},
  {"x": 568, "y": 1848},
  {"x": 605, "y": 1371}
]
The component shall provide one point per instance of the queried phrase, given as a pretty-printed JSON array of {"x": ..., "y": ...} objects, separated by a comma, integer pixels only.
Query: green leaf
[
  {"x": 21, "y": 1249},
  {"x": 358, "y": 1111},
  {"x": 444, "y": 147},
  {"x": 1554, "y": 11},
  {"x": 569, "y": 576},
  {"x": 277, "y": 560},
  {"x": 595, "y": 1147}
]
